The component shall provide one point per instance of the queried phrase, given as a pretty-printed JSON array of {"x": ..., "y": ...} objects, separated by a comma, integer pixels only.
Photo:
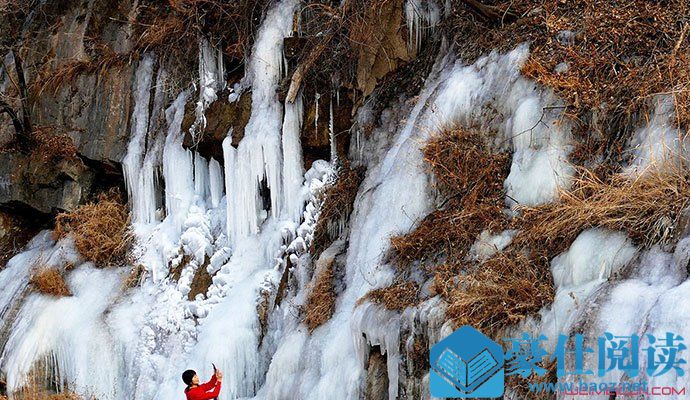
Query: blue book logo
[{"x": 466, "y": 364}]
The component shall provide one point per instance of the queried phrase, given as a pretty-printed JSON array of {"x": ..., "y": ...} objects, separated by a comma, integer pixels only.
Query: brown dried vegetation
[
  {"x": 320, "y": 304},
  {"x": 338, "y": 200},
  {"x": 618, "y": 54},
  {"x": 100, "y": 229},
  {"x": 39, "y": 394},
  {"x": 398, "y": 296},
  {"x": 517, "y": 283},
  {"x": 50, "y": 281},
  {"x": 50, "y": 79},
  {"x": 648, "y": 208},
  {"x": 503, "y": 289},
  {"x": 470, "y": 178},
  {"x": 496, "y": 293}
]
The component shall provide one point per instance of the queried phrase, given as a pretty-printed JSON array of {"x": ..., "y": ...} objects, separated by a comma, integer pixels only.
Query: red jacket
[{"x": 205, "y": 391}]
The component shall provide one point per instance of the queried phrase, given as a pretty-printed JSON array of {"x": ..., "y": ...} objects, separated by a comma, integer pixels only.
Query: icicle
[
  {"x": 331, "y": 134},
  {"x": 150, "y": 188},
  {"x": 178, "y": 168},
  {"x": 201, "y": 175},
  {"x": 422, "y": 18},
  {"x": 293, "y": 169},
  {"x": 317, "y": 96},
  {"x": 132, "y": 162},
  {"x": 215, "y": 182},
  {"x": 229, "y": 156},
  {"x": 211, "y": 80}
]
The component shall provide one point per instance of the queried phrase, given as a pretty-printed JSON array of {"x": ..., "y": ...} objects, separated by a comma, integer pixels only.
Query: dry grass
[
  {"x": 398, "y": 296},
  {"x": 338, "y": 200},
  {"x": 521, "y": 385},
  {"x": 619, "y": 55},
  {"x": 100, "y": 229},
  {"x": 470, "y": 178},
  {"x": 51, "y": 282},
  {"x": 648, "y": 208},
  {"x": 36, "y": 394},
  {"x": 50, "y": 79},
  {"x": 52, "y": 146},
  {"x": 263, "y": 309},
  {"x": 499, "y": 292},
  {"x": 320, "y": 304}
]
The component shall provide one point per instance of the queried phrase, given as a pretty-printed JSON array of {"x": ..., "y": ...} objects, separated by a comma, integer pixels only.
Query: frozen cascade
[
  {"x": 140, "y": 339},
  {"x": 178, "y": 167},
  {"x": 331, "y": 132},
  {"x": 136, "y": 150},
  {"x": 50, "y": 329},
  {"x": 387, "y": 205},
  {"x": 258, "y": 156}
]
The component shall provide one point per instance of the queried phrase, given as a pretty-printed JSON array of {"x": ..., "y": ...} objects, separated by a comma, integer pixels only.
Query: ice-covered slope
[{"x": 190, "y": 214}]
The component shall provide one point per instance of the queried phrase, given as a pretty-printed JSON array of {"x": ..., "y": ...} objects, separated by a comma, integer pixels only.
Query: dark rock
[
  {"x": 377, "y": 375},
  {"x": 94, "y": 112},
  {"x": 316, "y": 139},
  {"x": 42, "y": 185},
  {"x": 221, "y": 115}
]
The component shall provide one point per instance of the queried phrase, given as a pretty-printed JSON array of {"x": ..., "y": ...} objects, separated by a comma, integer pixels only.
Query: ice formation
[{"x": 247, "y": 218}]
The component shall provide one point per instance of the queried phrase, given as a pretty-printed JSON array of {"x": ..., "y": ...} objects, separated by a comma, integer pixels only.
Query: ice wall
[{"x": 195, "y": 216}]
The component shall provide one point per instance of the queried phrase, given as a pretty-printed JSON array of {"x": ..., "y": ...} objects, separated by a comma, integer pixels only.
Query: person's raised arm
[
  {"x": 210, "y": 384},
  {"x": 210, "y": 395}
]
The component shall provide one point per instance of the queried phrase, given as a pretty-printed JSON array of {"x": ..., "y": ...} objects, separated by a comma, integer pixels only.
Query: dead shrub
[
  {"x": 470, "y": 178},
  {"x": 52, "y": 146},
  {"x": 499, "y": 292},
  {"x": 51, "y": 282},
  {"x": 647, "y": 207},
  {"x": 338, "y": 200},
  {"x": 397, "y": 296},
  {"x": 320, "y": 304},
  {"x": 100, "y": 229}
]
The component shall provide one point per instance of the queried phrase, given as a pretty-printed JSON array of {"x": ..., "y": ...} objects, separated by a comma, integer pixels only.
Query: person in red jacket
[{"x": 205, "y": 391}]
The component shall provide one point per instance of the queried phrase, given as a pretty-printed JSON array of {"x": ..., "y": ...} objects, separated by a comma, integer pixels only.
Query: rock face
[
  {"x": 79, "y": 78},
  {"x": 94, "y": 111},
  {"x": 43, "y": 185},
  {"x": 221, "y": 116}
]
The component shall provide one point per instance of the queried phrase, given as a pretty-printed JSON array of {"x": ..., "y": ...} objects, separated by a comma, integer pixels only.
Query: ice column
[
  {"x": 178, "y": 168},
  {"x": 293, "y": 169},
  {"x": 133, "y": 160},
  {"x": 259, "y": 156},
  {"x": 215, "y": 182}
]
